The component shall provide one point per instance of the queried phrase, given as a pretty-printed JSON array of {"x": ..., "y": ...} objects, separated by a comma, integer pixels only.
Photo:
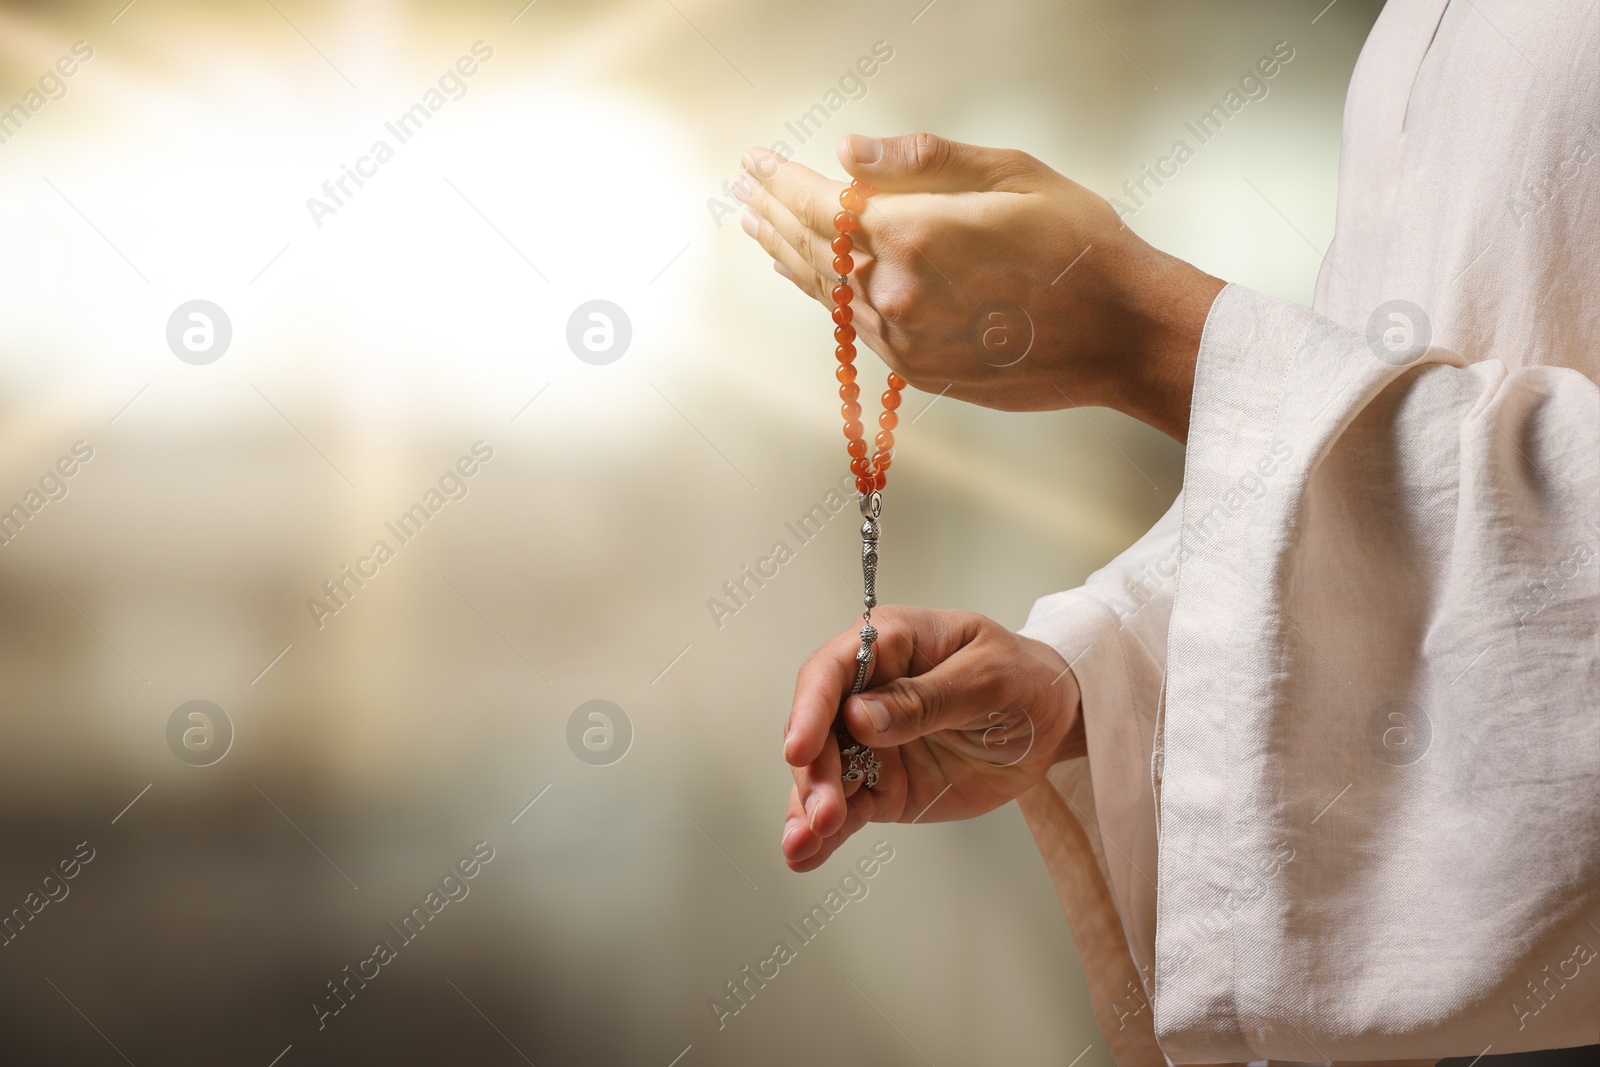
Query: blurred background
[{"x": 187, "y": 486}]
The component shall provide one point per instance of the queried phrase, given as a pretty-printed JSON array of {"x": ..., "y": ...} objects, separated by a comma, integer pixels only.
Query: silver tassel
[{"x": 860, "y": 763}]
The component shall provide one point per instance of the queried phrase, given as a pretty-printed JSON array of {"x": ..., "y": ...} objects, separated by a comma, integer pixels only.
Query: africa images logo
[{"x": 336, "y": 192}]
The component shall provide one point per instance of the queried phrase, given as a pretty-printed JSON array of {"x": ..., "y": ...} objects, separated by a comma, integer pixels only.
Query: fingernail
[
  {"x": 781, "y": 269},
  {"x": 865, "y": 149},
  {"x": 749, "y": 222},
  {"x": 741, "y": 189},
  {"x": 811, "y": 811},
  {"x": 876, "y": 714},
  {"x": 762, "y": 163},
  {"x": 789, "y": 827}
]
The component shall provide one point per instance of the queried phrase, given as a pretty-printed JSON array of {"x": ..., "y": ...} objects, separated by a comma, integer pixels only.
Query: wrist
[
  {"x": 1166, "y": 308},
  {"x": 1074, "y": 741},
  {"x": 1061, "y": 693}
]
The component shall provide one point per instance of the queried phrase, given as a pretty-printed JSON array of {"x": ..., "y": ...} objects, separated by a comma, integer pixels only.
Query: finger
[
  {"x": 818, "y": 688},
  {"x": 808, "y": 261},
  {"x": 786, "y": 273},
  {"x": 871, "y": 330},
  {"x": 815, "y": 247},
  {"x": 799, "y": 841},
  {"x": 810, "y": 198},
  {"x": 910, "y": 641},
  {"x": 864, "y": 807},
  {"x": 923, "y": 162},
  {"x": 795, "y": 266},
  {"x": 956, "y": 694},
  {"x": 830, "y": 816},
  {"x": 822, "y": 791},
  {"x": 802, "y": 205},
  {"x": 790, "y": 264},
  {"x": 868, "y": 324}
]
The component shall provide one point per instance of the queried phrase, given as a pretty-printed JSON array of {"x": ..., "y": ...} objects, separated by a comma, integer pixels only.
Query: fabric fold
[{"x": 1362, "y": 853}]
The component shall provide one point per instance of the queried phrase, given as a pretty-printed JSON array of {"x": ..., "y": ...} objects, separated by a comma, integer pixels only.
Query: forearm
[{"x": 1164, "y": 303}]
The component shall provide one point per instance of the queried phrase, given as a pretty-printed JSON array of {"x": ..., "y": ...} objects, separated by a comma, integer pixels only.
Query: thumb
[
  {"x": 951, "y": 696},
  {"x": 922, "y": 162}
]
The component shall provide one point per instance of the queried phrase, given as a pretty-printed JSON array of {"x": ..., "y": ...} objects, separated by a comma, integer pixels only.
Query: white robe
[{"x": 1358, "y": 816}]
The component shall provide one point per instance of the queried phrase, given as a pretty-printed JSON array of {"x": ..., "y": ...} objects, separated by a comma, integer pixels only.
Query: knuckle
[
  {"x": 972, "y": 622},
  {"x": 918, "y": 239},
  {"x": 802, "y": 201},
  {"x": 906, "y": 707},
  {"x": 766, "y": 234},
  {"x": 812, "y": 662},
  {"x": 898, "y": 304},
  {"x": 930, "y": 701},
  {"x": 808, "y": 247},
  {"x": 766, "y": 166},
  {"x": 1012, "y": 163},
  {"x": 992, "y": 678},
  {"x": 927, "y": 152}
]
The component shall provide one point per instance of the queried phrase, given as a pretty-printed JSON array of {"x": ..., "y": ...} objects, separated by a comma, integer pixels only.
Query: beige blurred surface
[{"x": 429, "y": 313}]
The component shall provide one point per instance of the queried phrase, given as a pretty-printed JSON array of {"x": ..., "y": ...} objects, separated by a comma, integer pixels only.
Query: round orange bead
[
  {"x": 851, "y": 200},
  {"x": 869, "y": 473},
  {"x": 863, "y": 188}
]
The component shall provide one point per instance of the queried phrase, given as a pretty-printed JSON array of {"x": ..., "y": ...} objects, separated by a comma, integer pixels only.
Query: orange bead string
[{"x": 871, "y": 474}]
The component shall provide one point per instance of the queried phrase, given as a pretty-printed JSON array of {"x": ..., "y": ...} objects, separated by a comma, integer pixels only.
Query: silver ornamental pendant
[{"x": 860, "y": 763}]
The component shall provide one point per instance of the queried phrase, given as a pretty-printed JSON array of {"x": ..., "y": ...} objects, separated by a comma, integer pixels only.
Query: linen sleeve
[
  {"x": 1379, "y": 828},
  {"x": 1112, "y": 631}
]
